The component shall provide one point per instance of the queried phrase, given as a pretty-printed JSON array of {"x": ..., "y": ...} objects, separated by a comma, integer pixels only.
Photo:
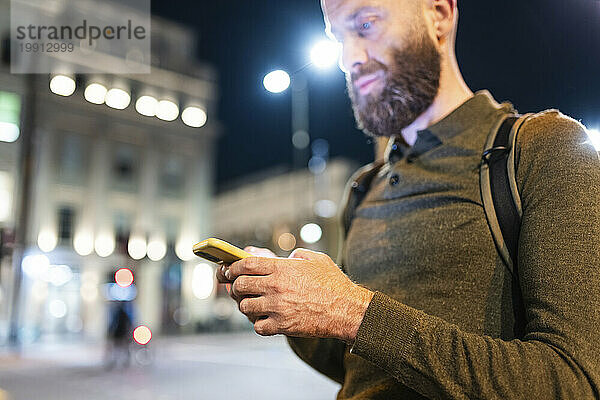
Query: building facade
[{"x": 111, "y": 187}]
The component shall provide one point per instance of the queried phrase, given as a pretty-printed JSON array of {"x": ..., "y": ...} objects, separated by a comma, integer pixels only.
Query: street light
[
  {"x": 322, "y": 55},
  {"x": 325, "y": 53},
  {"x": 277, "y": 81}
]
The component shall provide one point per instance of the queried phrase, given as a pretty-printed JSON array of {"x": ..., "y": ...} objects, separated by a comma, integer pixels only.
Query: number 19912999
[{"x": 50, "y": 47}]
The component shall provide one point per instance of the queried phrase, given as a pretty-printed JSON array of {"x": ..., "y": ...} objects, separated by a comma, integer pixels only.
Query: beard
[{"x": 410, "y": 85}]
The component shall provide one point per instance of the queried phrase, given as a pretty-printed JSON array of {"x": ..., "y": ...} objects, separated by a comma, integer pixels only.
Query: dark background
[{"x": 536, "y": 53}]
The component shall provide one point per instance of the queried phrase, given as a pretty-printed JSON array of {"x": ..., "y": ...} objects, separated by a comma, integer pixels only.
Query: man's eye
[{"x": 365, "y": 26}]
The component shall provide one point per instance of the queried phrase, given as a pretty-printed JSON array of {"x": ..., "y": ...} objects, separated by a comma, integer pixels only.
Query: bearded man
[{"x": 422, "y": 305}]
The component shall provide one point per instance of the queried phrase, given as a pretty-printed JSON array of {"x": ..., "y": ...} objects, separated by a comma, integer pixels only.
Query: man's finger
[
  {"x": 254, "y": 306},
  {"x": 265, "y": 326},
  {"x": 220, "y": 273},
  {"x": 250, "y": 266},
  {"x": 246, "y": 285}
]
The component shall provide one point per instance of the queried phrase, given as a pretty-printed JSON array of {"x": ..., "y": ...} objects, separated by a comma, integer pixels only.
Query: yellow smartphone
[{"x": 219, "y": 251}]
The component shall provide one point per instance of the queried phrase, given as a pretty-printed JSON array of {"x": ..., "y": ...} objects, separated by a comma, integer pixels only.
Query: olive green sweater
[{"x": 441, "y": 324}]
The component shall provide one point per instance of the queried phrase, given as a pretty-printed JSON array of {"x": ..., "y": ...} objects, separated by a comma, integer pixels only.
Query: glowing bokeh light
[
  {"x": 167, "y": 110},
  {"x": 182, "y": 316},
  {"x": 95, "y": 93},
  {"x": 124, "y": 277},
  {"x": 35, "y": 266},
  {"x": 58, "y": 275},
  {"x": 104, "y": 245},
  {"x": 203, "y": 281},
  {"x": 157, "y": 249},
  {"x": 325, "y": 208},
  {"x": 47, "y": 240},
  {"x": 136, "y": 247},
  {"x": 62, "y": 85},
  {"x": 142, "y": 335},
  {"x": 194, "y": 116},
  {"x": 9, "y": 132},
  {"x": 183, "y": 249},
  {"x": 325, "y": 53},
  {"x": 146, "y": 105},
  {"x": 83, "y": 243},
  {"x": 277, "y": 81},
  {"x": 57, "y": 308},
  {"x": 311, "y": 233},
  {"x": 118, "y": 99},
  {"x": 301, "y": 140},
  {"x": 286, "y": 241}
]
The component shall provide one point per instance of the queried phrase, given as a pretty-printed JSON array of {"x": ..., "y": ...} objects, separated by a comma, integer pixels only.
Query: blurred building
[
  {"x": 112, "y": 186},
  {"x": 284, "y": 210}
]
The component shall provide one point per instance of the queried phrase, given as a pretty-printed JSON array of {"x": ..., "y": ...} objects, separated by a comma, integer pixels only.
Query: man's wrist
[{"x": 358, "y": 301}]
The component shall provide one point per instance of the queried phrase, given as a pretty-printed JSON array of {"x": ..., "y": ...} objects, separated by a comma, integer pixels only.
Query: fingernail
[{"x": 227, "y": 274}]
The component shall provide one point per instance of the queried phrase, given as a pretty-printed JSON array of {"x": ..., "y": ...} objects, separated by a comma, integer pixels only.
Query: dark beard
[{"x": 410, "y": 86}]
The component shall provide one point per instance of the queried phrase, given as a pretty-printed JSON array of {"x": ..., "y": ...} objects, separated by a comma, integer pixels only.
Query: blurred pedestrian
[{"x": 119, "y": 334}]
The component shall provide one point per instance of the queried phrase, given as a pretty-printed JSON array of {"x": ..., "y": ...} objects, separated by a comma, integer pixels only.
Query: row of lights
[
  {"x": 104, "y": 245},
  {"x": 120, "y": 99},
  {"x": 156, "y": 248}
]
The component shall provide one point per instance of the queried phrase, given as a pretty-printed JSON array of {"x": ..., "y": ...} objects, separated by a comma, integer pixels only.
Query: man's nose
[{"x": 354, "y": 55}]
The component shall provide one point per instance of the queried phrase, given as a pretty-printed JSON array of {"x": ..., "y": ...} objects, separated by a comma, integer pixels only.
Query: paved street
[{"x": 225, "y": 366}]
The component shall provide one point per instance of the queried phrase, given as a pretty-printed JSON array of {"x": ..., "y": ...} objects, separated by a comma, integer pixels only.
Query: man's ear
[{"x": 444, "y": 13}]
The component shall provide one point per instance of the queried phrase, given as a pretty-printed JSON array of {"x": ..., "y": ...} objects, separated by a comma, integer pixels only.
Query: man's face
[{"x": 391, "y": 63}]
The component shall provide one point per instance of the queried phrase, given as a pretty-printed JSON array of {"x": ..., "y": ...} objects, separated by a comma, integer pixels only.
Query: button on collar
[{"x": 395, "y": 150}]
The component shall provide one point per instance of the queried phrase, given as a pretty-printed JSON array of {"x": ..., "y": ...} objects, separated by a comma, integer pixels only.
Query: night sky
[{"x": 536, "y": 53}]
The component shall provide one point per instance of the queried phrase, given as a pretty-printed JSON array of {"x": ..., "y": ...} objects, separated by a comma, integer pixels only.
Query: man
[{"x": 426, "y": 308}]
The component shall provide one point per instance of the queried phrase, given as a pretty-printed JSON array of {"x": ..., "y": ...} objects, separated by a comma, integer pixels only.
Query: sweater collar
[{"x": 473, "y": 112}]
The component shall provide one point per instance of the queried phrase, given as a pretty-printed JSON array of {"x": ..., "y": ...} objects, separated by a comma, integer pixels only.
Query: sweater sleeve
[
  {"x": 324, "y": 355},
  {"x": 559, "y": 269}
]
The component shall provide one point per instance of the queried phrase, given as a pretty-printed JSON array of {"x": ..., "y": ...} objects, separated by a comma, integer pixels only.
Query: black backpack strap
[{"x": 501, "y": 200}]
